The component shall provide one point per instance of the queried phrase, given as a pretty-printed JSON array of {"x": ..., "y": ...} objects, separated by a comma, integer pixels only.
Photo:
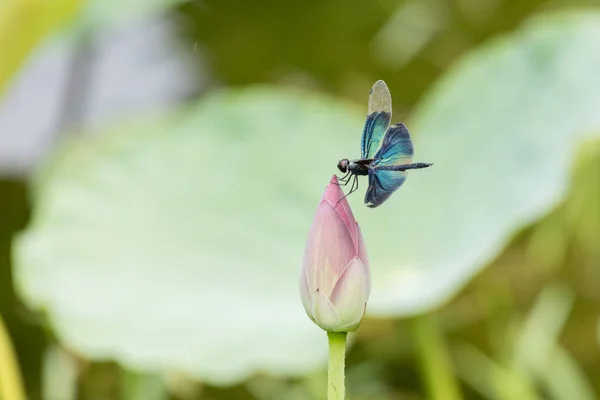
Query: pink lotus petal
[
  {"x": 336, "y": 197},
  {"x": 362, "y": 254},
  {"x": 305, "y": 295},
  {"x": 329, "y": 249}
]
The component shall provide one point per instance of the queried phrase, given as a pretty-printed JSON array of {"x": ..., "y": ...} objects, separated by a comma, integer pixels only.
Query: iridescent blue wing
[
  {"x": 396, "y": 149},
  {"x": 379, "y": 116},
  {"x": 381, "y": 186}
]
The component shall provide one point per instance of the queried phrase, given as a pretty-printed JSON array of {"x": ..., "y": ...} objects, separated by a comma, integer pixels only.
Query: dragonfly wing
[
  {"x": 396, "y": 149},
  {"x": 378, "y": 119},
  {"x": 381, "y": 186}
]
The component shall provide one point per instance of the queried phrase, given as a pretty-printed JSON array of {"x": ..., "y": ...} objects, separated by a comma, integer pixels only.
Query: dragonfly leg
[
  {"x": 345, "y": 179},
  {"x": 353, "y": 188}
]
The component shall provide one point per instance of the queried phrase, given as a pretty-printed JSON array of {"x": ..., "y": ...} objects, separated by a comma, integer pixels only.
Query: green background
[{"x": 157, "y": 256}]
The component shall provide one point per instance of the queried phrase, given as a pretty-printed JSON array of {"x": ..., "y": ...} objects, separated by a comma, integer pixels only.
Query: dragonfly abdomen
[{"x": 403, "y": 167}]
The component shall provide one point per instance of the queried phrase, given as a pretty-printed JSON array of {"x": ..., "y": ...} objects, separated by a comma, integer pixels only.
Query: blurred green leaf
[
  {"x": 103, "y": 14},
  {"x": 539, "y": 353},
  {"x": 23, "y": 24},
  {"x": 536, "y": 357},
  {"x": 491, "y": 379},
  {"x": 598, "y": 332},
  {"x": 11, "y": 383},
  {"x": 175, "y": 242},
  {"x": 434, "y": 358},
  {"x": 548, "y": 246},
  {"x": 502, "y": 129},
  {"x": 583, "y": 209},
  {"x": 60, "y": 375},
  {"x": 540, "y": 331},
  {"x": 566, "y": 379},
  {"x": 138, "y": 386},
  {"x": 411, "y": 27}
]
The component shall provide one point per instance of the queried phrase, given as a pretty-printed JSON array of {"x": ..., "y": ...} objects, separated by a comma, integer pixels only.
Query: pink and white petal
[
  {"x": 333, "y": 191},
  {"x": 362, "y": 254},
  {"x": 305, "y": 295},
  {"x": 351, "y": 292},
  {"x": 335, "y": 196},
  {"x": 328, "y": 250},
  {"x": 324, "y": 313}
]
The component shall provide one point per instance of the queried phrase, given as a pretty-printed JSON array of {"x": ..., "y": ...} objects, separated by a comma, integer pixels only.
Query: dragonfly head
[{"x": 343, "y": 165}]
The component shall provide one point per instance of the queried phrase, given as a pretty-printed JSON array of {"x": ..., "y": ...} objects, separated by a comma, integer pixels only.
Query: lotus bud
[{"x": 335, "y": 282}]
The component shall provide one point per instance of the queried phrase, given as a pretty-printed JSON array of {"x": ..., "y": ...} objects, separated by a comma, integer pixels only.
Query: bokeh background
[{"x": 161, "y": 161}]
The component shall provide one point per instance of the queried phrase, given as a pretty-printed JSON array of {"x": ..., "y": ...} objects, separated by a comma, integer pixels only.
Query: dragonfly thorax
[
  {"x": 355, "y": 167},
  {"x": 359, "y": 167}
]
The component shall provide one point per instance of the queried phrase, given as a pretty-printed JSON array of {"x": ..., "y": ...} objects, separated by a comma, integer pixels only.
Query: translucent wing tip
[
  {"x": 380, "y": 98},
  {"x": 379, "y": 85}
]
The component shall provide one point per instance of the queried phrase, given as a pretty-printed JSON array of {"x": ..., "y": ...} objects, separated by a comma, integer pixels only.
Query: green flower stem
[
  {"x": 335, "y": 372},
  {"x": 435, "y": 361}
]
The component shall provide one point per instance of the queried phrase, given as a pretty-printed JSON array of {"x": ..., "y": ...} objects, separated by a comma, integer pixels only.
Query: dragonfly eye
[{"x": 343, "y": 165}]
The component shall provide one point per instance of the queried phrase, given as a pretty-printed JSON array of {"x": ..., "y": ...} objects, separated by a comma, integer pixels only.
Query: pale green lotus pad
[{"x": 177, "y": 242}]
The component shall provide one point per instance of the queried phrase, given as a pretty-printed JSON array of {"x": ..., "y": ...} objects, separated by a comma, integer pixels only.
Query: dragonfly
[{"x": 386, "y": 151}]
